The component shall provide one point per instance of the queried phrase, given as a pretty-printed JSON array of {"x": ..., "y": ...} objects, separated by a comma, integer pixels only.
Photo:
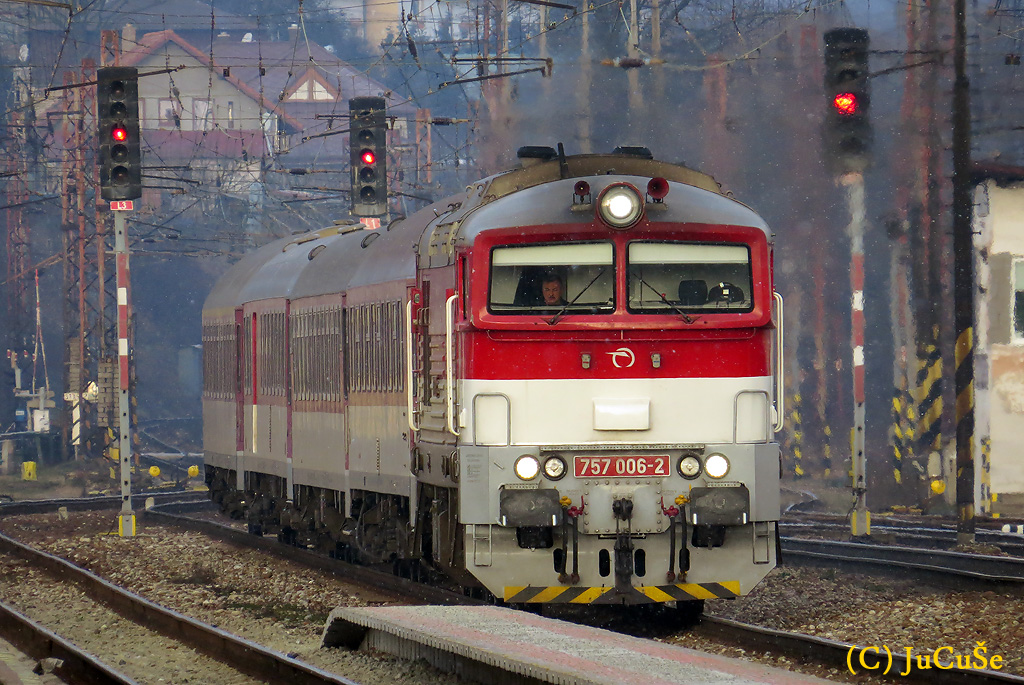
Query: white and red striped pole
[
  {"x": 860, "y": 520},
  {"x": 126, "y": 519}
]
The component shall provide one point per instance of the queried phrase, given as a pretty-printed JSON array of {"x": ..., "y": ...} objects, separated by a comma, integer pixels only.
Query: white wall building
[{"x": 999, "y": 345}]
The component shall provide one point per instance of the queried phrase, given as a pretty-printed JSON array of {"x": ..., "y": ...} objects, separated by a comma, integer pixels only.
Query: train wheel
[{"x": 287, "y": 536}]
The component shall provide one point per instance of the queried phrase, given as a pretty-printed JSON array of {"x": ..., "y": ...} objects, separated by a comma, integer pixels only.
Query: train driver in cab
[{"x": 552, "y": 290}]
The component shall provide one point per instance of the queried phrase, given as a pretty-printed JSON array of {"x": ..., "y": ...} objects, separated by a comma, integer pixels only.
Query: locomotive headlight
[
  {"x": 716, "y": 465},
  {"x": 689, "y": 467},
  {"x": 527, "y": 467},
  {"x": 554, "y": 467},
  {"x": 620, "y": 206}
]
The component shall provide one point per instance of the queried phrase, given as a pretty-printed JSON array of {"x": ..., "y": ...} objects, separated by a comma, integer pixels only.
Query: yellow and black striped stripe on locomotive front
[{"x": 563, "y": 594}]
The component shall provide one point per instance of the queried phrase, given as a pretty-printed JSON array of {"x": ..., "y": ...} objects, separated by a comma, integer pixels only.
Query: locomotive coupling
[{"x": 622, "y": 509}]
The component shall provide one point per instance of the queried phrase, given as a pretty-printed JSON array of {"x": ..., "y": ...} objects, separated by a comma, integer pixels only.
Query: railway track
[
  {"x": 907, "y": 534},
  {"x": 70, "y": 663},
  {"x": 831, "y": 652},
  {"x": 974, "y": 568},
  {"x": 188, "y": 515},
  {"x": 240, "y": 654},
  {"x": 98, "y": 503},
  {"x": 797, "y": 646}
]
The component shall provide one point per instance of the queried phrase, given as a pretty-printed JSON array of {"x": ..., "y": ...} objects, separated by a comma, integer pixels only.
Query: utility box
[
  {"x": 28, "y": 470},
  {"x": 41, "y": 420}
]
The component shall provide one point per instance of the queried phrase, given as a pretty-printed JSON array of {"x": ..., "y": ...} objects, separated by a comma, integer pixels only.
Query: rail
[
  {"x": 243, "y": 655},
  {"x": 73, "y": 665},
  {"x": 975, "y": 567},
  {"x": 832, "y": 652}
]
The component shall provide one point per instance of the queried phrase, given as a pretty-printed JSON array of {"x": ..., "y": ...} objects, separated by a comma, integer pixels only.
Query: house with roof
[{"x": 232, "y": 109}]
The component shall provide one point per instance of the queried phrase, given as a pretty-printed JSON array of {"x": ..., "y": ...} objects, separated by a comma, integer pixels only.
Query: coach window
[
  {"x": 585, "y": 272},
  {"x": 694, "y": 277}
]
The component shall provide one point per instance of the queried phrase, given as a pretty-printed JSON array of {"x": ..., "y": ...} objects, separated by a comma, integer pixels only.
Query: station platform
[{"x": 500, "y": 645}]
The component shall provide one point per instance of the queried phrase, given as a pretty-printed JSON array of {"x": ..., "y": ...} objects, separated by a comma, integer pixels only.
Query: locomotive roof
[
  {"x": 500, "y": 201},
  {"x": 341, "y": 257}
]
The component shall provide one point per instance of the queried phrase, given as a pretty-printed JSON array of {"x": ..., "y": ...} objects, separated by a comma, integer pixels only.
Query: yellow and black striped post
[
  {"x": 963, "y": 278},
  {"x": 929, "y": 399},
  {"x": 965, "y": 435},
  {"x": 902, "y": 433},
  {"x": 826, "y": 452},
  {"x": 795, "y": 435},
  {"x": 899, "y": 444}
]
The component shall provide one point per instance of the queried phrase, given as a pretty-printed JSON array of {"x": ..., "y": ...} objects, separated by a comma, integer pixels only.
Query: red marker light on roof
[
  {"x": 368, "y": 157},
  {"x": 845, "y": 104},
  {"x": 657, "y": 188},
  {"x": 120, "y": 134}
]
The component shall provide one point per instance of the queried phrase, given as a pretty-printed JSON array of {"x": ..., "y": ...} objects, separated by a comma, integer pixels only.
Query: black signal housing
[
  {"x": 120, "y": 149},
  {"x": 847, "y": 134},
  {"x": 368, "y": 154}
]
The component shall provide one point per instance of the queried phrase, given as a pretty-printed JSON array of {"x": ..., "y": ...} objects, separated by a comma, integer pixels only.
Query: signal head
[
  {"x": 368, "y": 156},
  {"x": 118, "y": 134},
  {"x": 846, "y": 104}
]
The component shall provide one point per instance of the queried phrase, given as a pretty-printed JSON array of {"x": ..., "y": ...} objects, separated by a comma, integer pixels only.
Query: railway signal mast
[
  {"x": 367, "y": 140},
  {"x": 847, "y": 142},
  {"x": 117, "y": 100}
]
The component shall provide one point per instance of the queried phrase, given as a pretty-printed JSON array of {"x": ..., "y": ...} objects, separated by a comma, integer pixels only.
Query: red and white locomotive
[{"x": 562, "y": 385}]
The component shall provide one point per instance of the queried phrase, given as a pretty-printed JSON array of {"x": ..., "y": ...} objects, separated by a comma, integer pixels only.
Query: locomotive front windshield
[
  {"x": 577, "y": 278},
  {"x": 695, "y": 277}
]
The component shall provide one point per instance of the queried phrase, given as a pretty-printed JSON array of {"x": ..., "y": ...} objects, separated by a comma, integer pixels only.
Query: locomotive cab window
[
  {"x": 577, "y": 278},
  {"x": 666, "y": 277}
]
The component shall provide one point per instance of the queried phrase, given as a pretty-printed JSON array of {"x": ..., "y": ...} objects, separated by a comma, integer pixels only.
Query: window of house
[
  {"x": 231, "y": 114},
  {"x": 170, "y": 113},
  {"x": 1018, "y": 300},
  {"x": 202, "y": 115}
]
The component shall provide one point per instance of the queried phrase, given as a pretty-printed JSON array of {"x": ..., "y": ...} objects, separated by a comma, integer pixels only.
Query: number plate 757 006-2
[{"x": 615, "y": 467}]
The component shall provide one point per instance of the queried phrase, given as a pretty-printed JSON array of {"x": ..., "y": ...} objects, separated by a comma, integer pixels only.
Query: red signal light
[
  {"x": 120, "y": 134},
  {"x": 368, "y": 157},
  {"x": 845, "y": 104}
]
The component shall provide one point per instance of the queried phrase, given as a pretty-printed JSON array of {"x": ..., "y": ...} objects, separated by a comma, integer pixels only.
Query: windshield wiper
[
  {"x": 686, "y": 317},
  {"x": 561, "y": 312}
]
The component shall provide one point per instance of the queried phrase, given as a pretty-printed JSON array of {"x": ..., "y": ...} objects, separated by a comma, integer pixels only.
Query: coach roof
[{"x": 330, "y": 260}]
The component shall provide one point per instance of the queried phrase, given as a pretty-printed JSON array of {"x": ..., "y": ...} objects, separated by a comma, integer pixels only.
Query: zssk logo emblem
[{"x": 622, "y": 358}]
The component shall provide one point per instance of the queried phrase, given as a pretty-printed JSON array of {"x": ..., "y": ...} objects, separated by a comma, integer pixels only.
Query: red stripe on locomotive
[{"x": 492, "y": 356}]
